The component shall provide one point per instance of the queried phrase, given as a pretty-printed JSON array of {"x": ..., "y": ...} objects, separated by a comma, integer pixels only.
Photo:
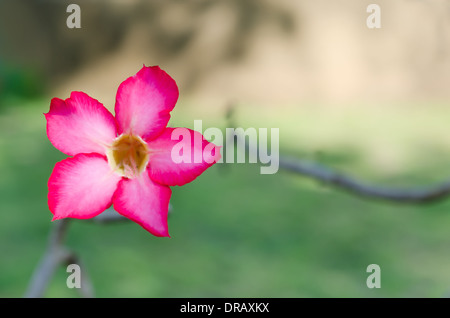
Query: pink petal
[
  {"x": 168, "y": 168},
  {"x": 81, "y": 187},
  {"x": 144, "y": 202},
  {"x": 80, "y": 124},
  {"x": 144, "y": 102}
]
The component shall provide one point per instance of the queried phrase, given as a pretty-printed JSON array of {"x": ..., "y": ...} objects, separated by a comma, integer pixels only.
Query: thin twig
[
  {"x": 111, "y": 216},
  {"x": 86, "y": 288},
  {"x": 108, "y": 216}
]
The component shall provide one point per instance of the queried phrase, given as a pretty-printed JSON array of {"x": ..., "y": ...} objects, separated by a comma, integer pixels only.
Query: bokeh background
[{"x": 373, "y": 103}]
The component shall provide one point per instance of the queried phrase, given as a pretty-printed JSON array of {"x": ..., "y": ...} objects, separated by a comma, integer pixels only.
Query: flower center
[{"x": 128, "y": 155}]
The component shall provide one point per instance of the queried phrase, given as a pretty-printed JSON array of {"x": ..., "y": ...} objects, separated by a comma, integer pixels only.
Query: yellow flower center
[{"x": 128, "y": 155}]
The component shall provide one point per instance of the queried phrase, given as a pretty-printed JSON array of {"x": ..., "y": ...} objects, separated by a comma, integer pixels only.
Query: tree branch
[
  {"x": 56, "y": 255},
  {"x": 350, "y": 184},
  {"x": 49, "y": 262}
]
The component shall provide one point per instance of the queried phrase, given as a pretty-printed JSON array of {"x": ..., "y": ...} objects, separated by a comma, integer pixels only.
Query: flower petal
[
  {"x": 167, "y": 166},
  {"x": 80, "y": 124},
  {"x": 144, "y": 102},
  {"x": 144, "y": 202},
  {"x": 81, "y": 187}
]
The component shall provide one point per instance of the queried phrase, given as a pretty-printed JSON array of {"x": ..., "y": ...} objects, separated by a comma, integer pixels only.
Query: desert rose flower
[{"x": 123, "y": 160}]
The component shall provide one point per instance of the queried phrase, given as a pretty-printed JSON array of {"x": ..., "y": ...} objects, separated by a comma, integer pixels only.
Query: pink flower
[{"x": 125, "y": 161}]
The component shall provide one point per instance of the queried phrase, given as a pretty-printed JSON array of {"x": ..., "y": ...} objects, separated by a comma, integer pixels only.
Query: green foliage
[{"x": 20, "y": 82}]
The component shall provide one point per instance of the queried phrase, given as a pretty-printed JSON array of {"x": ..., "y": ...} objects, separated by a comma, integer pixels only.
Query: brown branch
[
  {"x": 49, "y": 262},
  {"x": 404, "y": 195},
  {"x": 54, "y": 256},
  {"x": 350, "y": 184}
]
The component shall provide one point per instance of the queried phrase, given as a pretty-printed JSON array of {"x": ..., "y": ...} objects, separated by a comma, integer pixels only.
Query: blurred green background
[{"x": 371, "y": 103}]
